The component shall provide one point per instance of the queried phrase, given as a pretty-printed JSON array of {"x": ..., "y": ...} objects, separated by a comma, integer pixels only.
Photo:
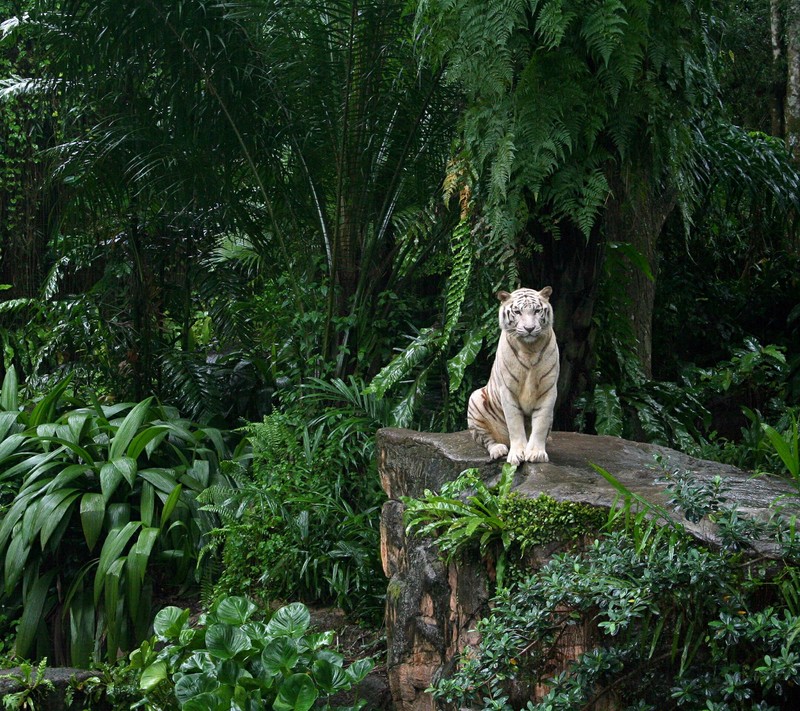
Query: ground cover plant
[
  {"x": 232, "y": 659},
  {"x": 305, "y": 524}
]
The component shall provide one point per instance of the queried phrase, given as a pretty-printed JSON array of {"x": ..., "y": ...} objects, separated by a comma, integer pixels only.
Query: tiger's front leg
[
  {"x": 515, "y": 421},
  {"x": 541, "y": 422}
]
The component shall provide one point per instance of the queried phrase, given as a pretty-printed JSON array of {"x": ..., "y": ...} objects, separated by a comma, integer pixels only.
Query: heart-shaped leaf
[{"x": 225, "y": 641}]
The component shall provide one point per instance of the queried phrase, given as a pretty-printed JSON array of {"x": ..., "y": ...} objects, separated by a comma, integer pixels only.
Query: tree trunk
[
  {"x": 778, "y": 51},
  {"x": 571, "y": 265},
  {"x": 792, "y": 104},
  {"x": 635, "y": 215}
]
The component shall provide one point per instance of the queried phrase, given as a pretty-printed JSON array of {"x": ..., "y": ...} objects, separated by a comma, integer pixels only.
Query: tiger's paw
[
  {"x": 516, "y": 455},
  {"x": 498, "y": 450},
  {"x": 534, "y": 454}
]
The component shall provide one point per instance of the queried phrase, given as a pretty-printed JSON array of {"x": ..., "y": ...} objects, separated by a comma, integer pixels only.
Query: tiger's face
[{"x": 526, "y": 313}]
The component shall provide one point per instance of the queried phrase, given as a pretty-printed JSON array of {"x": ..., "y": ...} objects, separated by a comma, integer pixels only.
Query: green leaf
[
  {"x": 235, "y": 610},
  {"x": 297, "y": 693},
  {"x": 13, "y": 515},
  {"x": 55, "y": 512},
  {"x": 169, "y": 622},
  {"x": 81, "y": 629},
  {"x": 280, "y": 656},
  {"x": 457, "y": 365},
  {"x": 403, "y": 412},
  {"x": 113, "y": 546},
  {"x": 32, "y": 613},
  {"x": 71, "y": 446},
  {"x": 138, "y": 558},
  {"x": 113, "y": 619},
  {"x": 127, "y": 466},
  {"x": 225, "y": 641},
  {"x": 190, "y": 686},
  {"x": 69, "y": 474},
  {"x": 199, "y": 476},
  {"x": 330, "y": 677},
  {"x": 359, "y": 669},
  {"x": 404, "y": 362},
  {"x": 9, "y": 446},
  {"x": 170, "y": 504},
  {"x": 608, "y": 410},
  {"x": 153, "y": 675},
  {"x": 291, "y": 620},
  {"x": 128, "y": 429},
  {"x": 44, "y": 410},
  {"x": 16, "y": 561},
  {"x": 219, "y": 443},
  {"x": 212, "y": 701},
  {"x": 117, "y": 515},
  {"x": 162, "y": 479},
  {"x": 110, "y": 477},
  {"x": 9, "y": 395},
  {"x": 147, "y": 504},
  {"x": 93, "y": 511},
  {"x": 786, "y": 447},
  {"x": 150, "y": 437}
]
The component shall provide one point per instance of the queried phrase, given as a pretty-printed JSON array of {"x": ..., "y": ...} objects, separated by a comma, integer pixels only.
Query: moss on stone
[{"x": 535, "y": 522}]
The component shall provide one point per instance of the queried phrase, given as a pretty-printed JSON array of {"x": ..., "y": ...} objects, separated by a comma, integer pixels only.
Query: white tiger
[{"x": 513, "y": 414}]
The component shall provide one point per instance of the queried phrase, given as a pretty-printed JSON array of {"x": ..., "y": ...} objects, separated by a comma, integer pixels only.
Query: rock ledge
[{"x": 432, "y": 608}]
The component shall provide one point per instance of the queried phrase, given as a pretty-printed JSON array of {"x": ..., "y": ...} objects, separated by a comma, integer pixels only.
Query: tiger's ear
[
  {"x": 503, "y": 296},
  {"x": 545, "y": 293}
]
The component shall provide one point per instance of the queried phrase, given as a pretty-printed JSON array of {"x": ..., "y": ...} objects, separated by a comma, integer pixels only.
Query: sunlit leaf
[{"x": 291, "y": 620}]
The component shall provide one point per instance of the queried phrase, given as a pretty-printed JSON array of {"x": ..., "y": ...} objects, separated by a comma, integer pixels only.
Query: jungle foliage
[{"x": 283, "y": 223}]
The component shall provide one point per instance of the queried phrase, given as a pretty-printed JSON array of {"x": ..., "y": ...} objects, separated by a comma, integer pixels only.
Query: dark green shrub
[{"x": 306, "y": 526}]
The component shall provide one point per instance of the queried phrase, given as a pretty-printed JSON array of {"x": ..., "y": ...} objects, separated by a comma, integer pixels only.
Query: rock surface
[
  {"x": 432, "y": 608},
  {"x": 45, "y": 697}
]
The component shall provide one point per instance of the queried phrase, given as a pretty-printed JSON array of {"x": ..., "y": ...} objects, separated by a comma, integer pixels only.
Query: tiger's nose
[{"x": 529, "y": 329}]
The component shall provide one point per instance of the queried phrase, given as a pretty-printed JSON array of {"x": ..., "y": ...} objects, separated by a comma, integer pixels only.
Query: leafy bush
[
  {"x": 787, "y": 446},
  {"x": 306, "y": 527},
  {"x": 683, "y": 414},
  {"x": 105, "y": 499},
  {"x": 230, "y": 660},
  {"x": 674, "y": 623}
]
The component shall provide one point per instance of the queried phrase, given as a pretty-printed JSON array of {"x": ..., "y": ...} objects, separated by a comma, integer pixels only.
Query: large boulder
[{"x": 432, "y": 608}]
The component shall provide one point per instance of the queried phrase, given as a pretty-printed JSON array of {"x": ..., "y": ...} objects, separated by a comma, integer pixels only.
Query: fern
[
  {"x": 404, "y": 362},
  {"x": 571, "y": 93},
  {"x": 553, "y": 22},
  {"x": 463, "y": 253},
  {"x": 603, "y": 29}
]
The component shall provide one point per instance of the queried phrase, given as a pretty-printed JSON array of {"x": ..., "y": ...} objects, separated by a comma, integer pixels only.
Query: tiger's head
[{"x": 526, "y": 313}]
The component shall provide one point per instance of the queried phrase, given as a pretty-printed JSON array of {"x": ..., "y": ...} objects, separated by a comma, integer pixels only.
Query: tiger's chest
[{"x": 529, "y": 374}]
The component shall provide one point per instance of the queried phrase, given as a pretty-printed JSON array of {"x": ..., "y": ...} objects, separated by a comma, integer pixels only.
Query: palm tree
[{"x": 305, "y": 128}]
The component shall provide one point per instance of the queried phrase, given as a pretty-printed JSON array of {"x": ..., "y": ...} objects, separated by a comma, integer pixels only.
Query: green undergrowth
[
  {"x": 303, "y": 525},
  {"x": 499, "y": 523}
]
